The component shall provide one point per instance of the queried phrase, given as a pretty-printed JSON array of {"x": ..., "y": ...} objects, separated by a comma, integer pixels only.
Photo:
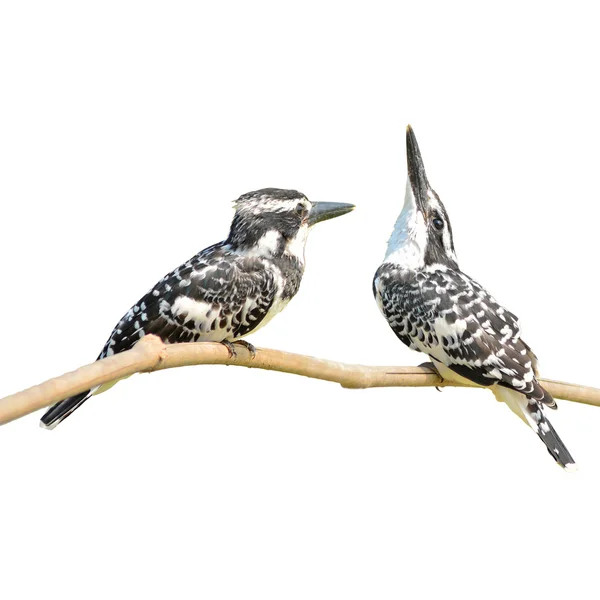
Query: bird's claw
[
  {"x": 230, "y": 348},
  {"x": 250, "y": 347},
  {"x": 430, "y": 365}
]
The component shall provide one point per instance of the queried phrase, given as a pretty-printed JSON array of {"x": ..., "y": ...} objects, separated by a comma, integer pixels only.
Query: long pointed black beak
[
  {"x": 416, "y": 168},
  {"x": 322, "y": 211}
]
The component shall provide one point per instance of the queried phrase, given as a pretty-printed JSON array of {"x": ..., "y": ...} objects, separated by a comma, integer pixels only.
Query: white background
[{"x": 126, "y": 130}]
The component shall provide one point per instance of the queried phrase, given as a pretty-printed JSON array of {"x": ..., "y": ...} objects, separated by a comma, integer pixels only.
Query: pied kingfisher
[
  {"x": 228, "y": 290},
  {"x": 433, "y": 307}
]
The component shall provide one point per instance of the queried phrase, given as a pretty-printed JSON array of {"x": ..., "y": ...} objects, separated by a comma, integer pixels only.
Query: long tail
[
  {"x": 61, "y": 410},
  {"x": 532, "y": 413}
]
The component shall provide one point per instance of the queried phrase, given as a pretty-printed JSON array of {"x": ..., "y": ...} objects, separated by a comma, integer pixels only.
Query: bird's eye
[
  {"x": 438, "y": 223},
  {"x": 300, "y": 208}
]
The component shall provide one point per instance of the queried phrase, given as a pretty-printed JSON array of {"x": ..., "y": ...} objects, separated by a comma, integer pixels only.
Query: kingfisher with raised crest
[
  {"x": 435, "y": 308},
  {"x": 228, "y": 290}
]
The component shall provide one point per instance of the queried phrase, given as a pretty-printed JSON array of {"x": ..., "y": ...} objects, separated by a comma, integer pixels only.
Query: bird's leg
[
  {"x": 230, "y": 348},
  {"x": 250, "y": 347},
  {"x": 431, "y": 365}
]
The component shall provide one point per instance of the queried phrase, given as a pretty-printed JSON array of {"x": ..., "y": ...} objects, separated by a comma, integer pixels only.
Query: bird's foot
[
  {"x": 250, "y": 347},
  {"x": 230, "y": 348},
  {"x": 430, "y": 365}
]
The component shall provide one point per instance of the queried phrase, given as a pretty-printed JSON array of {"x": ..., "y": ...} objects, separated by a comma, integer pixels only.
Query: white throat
[
  {"x": 406, "y": 246},
  {"x": 295, "y": 247}
]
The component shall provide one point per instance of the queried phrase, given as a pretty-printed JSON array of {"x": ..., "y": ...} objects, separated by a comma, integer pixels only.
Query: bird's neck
[{"x": 406, "y": 246}]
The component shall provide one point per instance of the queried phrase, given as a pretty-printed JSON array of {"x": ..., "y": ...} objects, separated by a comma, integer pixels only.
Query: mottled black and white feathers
[
  {"x": 227, "y": 290},
  {"x": 435, "y": 308},
  {"x": 216, "y": 295},
  {"x": 445, "y": 314}
]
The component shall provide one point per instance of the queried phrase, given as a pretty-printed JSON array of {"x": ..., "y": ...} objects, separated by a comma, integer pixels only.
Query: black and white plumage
[
  {"x": 435, "y": 308},
  {"x": 227, "y": 290}
]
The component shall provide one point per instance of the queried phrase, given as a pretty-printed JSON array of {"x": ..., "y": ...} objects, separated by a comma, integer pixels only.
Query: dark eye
[
  {"x": 438, "y": 223},
  {"x": 300, "y": 209}
]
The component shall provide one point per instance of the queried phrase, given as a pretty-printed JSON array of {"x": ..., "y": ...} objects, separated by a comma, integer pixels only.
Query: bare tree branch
[{"x": 151, "y": 354}]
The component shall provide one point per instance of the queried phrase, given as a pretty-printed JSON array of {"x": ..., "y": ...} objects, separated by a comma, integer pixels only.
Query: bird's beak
[
  {"x": 416, "y": 169},
  {"x": 322, "y": 211}
]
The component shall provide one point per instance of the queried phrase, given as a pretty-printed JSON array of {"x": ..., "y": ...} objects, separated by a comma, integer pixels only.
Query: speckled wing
[
  {"x": 450, "y": 317},
  {"x": 217, "y": 295}
]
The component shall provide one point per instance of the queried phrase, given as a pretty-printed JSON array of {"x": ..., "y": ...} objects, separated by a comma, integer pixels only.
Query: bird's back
[{"x": 216, "y": 295}]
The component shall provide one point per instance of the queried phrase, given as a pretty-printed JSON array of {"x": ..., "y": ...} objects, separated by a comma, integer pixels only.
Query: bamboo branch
[{"x": 151, "y": 354}]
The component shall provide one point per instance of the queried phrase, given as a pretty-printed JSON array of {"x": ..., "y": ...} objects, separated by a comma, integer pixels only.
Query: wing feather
[
  {"x": 215, "y": 295},
  {"x": 446, "y": 314}
]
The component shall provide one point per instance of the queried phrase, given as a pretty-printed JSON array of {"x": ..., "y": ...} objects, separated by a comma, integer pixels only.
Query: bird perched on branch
[
  {"x": 228, "y": 290},
  {"x": 435, "y": 308}
]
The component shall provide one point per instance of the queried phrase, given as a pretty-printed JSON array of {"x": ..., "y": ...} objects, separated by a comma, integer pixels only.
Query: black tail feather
[
  {"x": 531, "y": 411},
  {"x": 554, "y": 444},
  {"x": 61, "y": 410}
]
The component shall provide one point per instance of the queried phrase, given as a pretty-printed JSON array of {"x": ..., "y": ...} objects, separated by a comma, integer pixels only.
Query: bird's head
[
  {"x": 273, "y": 222},
  {"x": 422, "y": 235}
]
